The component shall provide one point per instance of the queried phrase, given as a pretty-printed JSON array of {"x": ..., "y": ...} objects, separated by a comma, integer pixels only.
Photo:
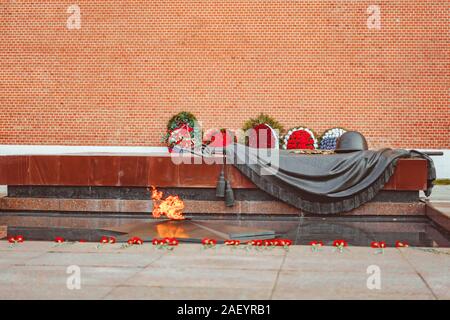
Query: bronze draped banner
[{"x": 323, "y": 184}]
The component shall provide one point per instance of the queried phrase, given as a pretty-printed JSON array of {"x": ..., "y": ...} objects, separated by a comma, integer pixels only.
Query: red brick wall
[{"x": 133, "y": 64}]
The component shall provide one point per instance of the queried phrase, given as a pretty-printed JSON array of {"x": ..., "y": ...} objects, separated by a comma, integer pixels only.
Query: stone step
[
  {"x": 195, "y": 206},
  {"x": 439, "y": 212},
  {"x": 3, "y": 231}
]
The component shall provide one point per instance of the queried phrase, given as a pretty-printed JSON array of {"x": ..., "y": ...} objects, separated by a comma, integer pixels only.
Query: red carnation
[
  {"x": 378, "y": 244},
  {"x": 135, "y": 240},
  {"x": 165, "y": 242},
  {"x": 169, "y": 241},
  {"x": 284, "y": 242},
  {"x": 16, "y": 239},
  {"x": 340, "y": 243},
  {"x": 104, "y": 240},
  {"x": 315, "y": 245},
  {"x": 232, "y": 242},
  {"x": 401, "y": 244},
  {"x": 275, "y": 242},
  {"x": 112, "y": 240},
  {"x": 258, "y": 243},
  {"x": 209, "y": 242},
  {"x": 374, "y": 244},
  {"x": 59, "y": 240}
]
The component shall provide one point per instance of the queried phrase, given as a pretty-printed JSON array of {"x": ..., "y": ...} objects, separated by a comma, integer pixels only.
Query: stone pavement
[
  {"x": 440, "y": 193},
  {"x": 3, "y": 191},
  {"x": 38, "y": 270},
  {"x": 438, "y": 206}
]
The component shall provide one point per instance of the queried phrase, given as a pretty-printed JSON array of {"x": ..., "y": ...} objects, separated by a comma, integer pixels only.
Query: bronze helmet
[{"x": 351, "y": 141}]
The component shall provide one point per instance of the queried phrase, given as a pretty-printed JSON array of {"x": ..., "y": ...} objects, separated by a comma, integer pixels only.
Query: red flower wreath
[
  {"x": 300, "y": 138},
  {"x": 182, "y": 132},
  {"x": 181, "y": 137},
  {"x": 218, "y": 138},
  {"x": 265, "y": 132}
]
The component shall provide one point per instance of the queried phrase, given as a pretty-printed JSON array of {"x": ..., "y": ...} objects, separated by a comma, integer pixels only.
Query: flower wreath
[
  {"x": 329, "y": 138},
  {"x": 300, "y": 138},
  {"x": 264, "y": 121},
  {"x": 182, "y": 131},
  {"x": 219, "y": 137}
]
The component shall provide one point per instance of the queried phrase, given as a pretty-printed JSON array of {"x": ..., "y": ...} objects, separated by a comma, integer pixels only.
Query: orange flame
[
  {"x": 171, "y": 230},
  {"x": 172, "y": 206}
]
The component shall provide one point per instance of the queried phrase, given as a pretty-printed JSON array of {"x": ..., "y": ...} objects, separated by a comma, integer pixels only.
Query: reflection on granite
[{"x": 358, "y": 231}]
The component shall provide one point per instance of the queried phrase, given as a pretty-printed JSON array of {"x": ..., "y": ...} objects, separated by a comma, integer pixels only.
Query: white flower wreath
[
  {"x": 329, "y": 138},
  {"x": 333, "y": 133}
]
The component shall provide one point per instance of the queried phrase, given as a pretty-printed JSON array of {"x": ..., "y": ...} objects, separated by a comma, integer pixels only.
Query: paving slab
[
  {"x": 8, "y": 258},
  {"x": 51, "y": 292},
  {"x": 348, "y": 285},
  {"x": 239, "y": 262},
  {"x": 91, "y": 247},
  {"x": 184, "y": 249},
  {"x": 440, "y": 193},
  {"x": 94, "y": 259},
  {"x": 181, "y": 276},
  {"x": 433, "y": 267},
  {"x": 27, "y": 246},
  {"x": 3, "y": 191},
  {"x": 37, "y": 270},
  {"x": 188, "y": 249},
  {"x": 3, "y": 231},
  {"x": 439, "y": 212},
  {"x": 182, "y": 293},
  {"x": 352, "y": 259},
  {"x": 57, "y": 276}
]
